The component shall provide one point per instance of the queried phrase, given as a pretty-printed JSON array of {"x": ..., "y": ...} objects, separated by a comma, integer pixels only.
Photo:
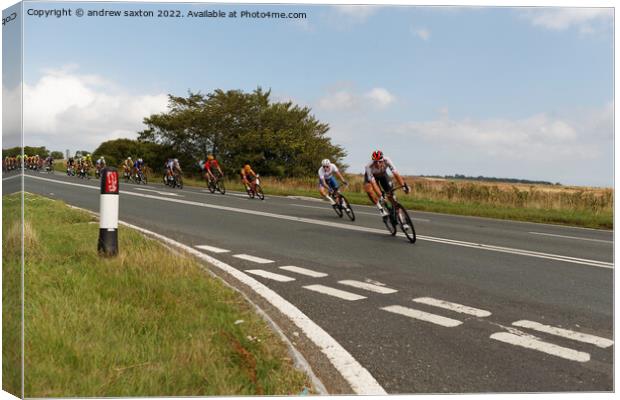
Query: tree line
[{"x": 278, "y": 139}]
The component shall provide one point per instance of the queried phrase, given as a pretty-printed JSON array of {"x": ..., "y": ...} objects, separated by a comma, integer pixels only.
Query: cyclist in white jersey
[
  {"x": 376, "y": 178},
  {"x": 327, "y": 179}
]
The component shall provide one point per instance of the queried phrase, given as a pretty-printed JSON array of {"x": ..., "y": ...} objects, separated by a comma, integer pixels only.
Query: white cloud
[
  {"x": 350, "y": 99},
  {"x": 67, "y": 110},
  {"x": 422, "y": 33},
  {"x": 380, "y": 97},
  {"x": 11, "y": 118},
  {"x": 538, "y": 137},
  {"x": 586, "y": 20},
  {"x": 355, "y": 13}
]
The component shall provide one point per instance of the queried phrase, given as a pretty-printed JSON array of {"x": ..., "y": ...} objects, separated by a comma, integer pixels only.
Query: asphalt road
[{"x": 475, "y": 305}]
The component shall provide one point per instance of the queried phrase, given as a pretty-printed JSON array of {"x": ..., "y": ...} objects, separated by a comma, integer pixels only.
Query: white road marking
[
  {"x": 368, "y": 286},
  {"x": 354, "y": 210},
  {"x": 479, "y": 246},
  {"x": 159, "y": 192},
  {"x": 211, "y": 249},
  {"x": 270, "y": 275},
  {"x": 358, "y": 377},
  {"x": 534, "y": 344},
  {"x": 257, "y": 260},
  {"x": 572, "y": 237},
  {"x": 11, "y": 177},
  {"x": 423, "y": 316},
  {"x": 459, "y": 308},
  {"x": 304, "y": 271},
  {"x": 580, "y": 337},
  {"x": 334, "y": 292}
]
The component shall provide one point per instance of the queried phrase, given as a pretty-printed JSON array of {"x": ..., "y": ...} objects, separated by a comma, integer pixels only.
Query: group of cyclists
[{"x": 28, "y": 162}]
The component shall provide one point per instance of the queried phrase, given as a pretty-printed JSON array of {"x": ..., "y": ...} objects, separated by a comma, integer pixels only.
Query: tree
[
  {"x": 115, "y": 151},
  {"x": 278, "y": 139},
  {"x": 57, "y": 155}
]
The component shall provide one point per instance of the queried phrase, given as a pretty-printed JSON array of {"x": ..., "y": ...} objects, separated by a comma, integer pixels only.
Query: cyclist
[
  {"x": 248, "y": 177},
  {"x": 376, "y": 178},
  {"x": 127, "y": 166},
  {"x": 212, "y": 163},
  {"x": 137, "y": 167},
  {"x": 327, "y": 179}
]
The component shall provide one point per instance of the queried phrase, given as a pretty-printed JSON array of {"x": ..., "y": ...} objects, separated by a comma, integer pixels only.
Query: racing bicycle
[
  {"x": 255, "y": 190},
  {"x": 342, "y": 205},
  {"x": 397, "y": 215}
]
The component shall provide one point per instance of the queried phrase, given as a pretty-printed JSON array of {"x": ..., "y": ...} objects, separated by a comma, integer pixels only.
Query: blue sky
[{"x": 506, "y": 92}]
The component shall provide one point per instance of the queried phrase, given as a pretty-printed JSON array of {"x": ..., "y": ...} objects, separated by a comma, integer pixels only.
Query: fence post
[{"x": 108, "y": 213}]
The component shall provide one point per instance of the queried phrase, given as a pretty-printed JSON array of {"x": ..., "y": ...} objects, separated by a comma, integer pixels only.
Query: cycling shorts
[
  {"x": 331, "y": 182},
  {"x": 382, "y": 180}
]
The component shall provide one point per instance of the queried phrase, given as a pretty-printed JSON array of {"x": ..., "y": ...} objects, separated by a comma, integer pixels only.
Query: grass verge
[{"x": 146, "y": 323}]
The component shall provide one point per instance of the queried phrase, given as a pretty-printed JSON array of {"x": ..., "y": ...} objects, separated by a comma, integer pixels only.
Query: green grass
[
  {"x": 11, "y": 295},
  {"x": 145, "y": 323},
  {"x": 416, "y": 201}
]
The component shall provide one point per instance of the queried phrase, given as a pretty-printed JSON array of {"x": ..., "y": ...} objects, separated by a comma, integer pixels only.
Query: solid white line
[
  {"x": 162, "y": 193},
  {"x": 459, "y": 308},
  {"x": 572, "y": 237},
  {"x": 534, "y": 344},
  {"x": 479, "y": 246},
  {"x": 11, "y": 177},
  {"x": 257, "y": 260},
  {"x": 270, "y": 275},
  {"x": 334, "y": 292},
  {"x": 304, "y": 271},
  {"x": 368, "y": 286},
  {"x": 211, "y": 249},
  {"x": 423, "y": 316},
  {"x": 580, "y": 337},
  {"x": 356, "y": 212}
]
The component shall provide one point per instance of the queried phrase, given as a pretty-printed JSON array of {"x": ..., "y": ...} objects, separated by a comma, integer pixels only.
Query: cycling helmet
[
  {"x": 139, "y": 160},
  {"x": 326, "y": 163},
  {"x": 210, "y": 157},
  {"x": 377, "y": 155},
  {"x": 176, "y": 160},
  {"x": 129, "y": 158}
]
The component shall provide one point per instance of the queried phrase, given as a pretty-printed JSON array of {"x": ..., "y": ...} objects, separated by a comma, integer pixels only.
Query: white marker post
[{"x": 108, "y": 216}]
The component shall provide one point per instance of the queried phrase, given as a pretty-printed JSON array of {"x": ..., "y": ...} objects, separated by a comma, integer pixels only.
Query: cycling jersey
[
  {"x": 327, "y": 173},
  {"x": 211, "y": 164},
  {"x": 373, "y": 170}
]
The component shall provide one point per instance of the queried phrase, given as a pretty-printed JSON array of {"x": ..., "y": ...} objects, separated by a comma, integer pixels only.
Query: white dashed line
[
  {"x": 534, "y": 344},
  {"x": 368, "y": 286},
  {"x": 211, "y": 249},
  {"x": 270, "y": 275},
  {"x": 159, "y": 192},
  {"x": 334, "y": 292},
  {"x": 459, "y": 308},
  {"x": 572, "y": 237},
  {"x": 423, "y": 316},
  {"x": 304, "y": 271},
  {"x": 257, "y": 260},
  {"x": 565, "y": 333}
]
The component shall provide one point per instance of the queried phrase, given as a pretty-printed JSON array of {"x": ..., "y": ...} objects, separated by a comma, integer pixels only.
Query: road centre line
[
  {"x": 12, "y": 177},
  {"x": 356, "y": 212},
  {"x": 565, "y": 333},
  {"x": 532, "y": 343},
  {"x": 270, "y": 275},
  {"x": 159, "y": 192},
  {"x": 459, "y": 308},
  {"x": 368, "y": 286},
  {"x": 304, "y": 271},
  {"x": 572, "y": 237},
  {"x": 423, "y": 316},
  {"x": 341, "y": 294},
  {"x": 211, "y": 249},
  {"x": 257, "y": 260},
  {"x": 479, "y": 246}
]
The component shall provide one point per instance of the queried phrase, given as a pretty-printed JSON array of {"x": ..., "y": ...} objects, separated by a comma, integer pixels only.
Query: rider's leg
[{"x": 325, "y": 194}]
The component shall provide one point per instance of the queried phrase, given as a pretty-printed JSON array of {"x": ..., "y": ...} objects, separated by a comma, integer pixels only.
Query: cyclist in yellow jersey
[{"x": 248, "y": 177}]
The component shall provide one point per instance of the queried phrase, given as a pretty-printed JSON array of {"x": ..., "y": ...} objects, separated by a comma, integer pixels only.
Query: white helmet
[
  {"x": 129, "y": 158},
  {"x": 326, "y": 163}
]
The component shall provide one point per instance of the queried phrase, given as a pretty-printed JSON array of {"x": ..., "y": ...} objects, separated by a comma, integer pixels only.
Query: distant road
[{"x": 475, "y": 305}]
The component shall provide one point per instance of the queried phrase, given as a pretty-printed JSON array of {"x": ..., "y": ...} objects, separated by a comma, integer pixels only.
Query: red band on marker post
[{"x": 108, "y": 215}]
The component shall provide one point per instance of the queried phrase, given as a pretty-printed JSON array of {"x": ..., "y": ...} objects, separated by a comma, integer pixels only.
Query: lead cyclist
[{"x": 377, "y": 178}]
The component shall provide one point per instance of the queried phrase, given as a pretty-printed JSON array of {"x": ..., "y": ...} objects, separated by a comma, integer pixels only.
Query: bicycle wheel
[
  {"x": 259, "y": 192},
  {"x": 337, "y": 208},
  {"x": 388, "y": 220},
  {"x": 347, "y": 208},
  {"x": 221, "y": 187},
  {"x": 145, "y": 179},
  {"x": 180, "y": 182},
  {"x": 405, "y": 223},
  {"x": 211, "y": 186}
]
